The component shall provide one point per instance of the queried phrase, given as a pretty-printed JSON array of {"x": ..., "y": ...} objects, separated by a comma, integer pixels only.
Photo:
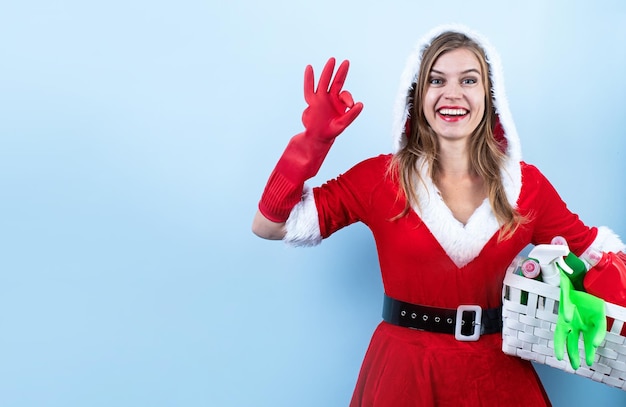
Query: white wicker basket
[{"x": 528, "y": 330}]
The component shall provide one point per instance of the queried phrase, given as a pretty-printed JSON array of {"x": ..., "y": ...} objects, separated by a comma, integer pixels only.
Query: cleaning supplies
[
  {"x": 607, "y": 277},
  {"x": 530, "y": 268},
  {"x": 550, "y": 258}
]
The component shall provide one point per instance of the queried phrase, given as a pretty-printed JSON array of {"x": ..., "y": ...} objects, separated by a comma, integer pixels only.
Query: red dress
[{"x": 405, "y": 367}]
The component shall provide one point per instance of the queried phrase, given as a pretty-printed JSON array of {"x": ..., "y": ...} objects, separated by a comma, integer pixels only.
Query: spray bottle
[
  {"x": 530, "y": 268},
  {"x": 550, "y": 258}
]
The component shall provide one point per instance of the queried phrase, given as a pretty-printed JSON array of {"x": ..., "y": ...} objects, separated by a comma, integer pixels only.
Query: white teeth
[{"x": 453, "y": 112}]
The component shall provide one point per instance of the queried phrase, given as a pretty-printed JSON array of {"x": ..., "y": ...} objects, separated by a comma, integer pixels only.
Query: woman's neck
[{"x": 453, "y": 161}]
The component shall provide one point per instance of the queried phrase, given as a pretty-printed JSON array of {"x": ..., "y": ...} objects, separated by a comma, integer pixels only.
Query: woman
[{"x": 449, "y": 210}]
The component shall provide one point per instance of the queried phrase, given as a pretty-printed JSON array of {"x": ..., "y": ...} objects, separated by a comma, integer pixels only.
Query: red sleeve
[
  {"x": 549, "y": 215},
  {"x": 348, "y": 198}
]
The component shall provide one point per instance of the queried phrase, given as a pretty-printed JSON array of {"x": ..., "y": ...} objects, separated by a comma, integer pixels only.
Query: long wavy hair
[{"x": 487, "y": 153}]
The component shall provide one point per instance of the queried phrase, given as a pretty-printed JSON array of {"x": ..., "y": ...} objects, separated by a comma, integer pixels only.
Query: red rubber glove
[{"x": 330, "y": 110}]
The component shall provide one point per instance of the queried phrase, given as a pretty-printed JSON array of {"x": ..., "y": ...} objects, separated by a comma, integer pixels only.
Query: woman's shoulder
[
  {"x": 532, "y": 175},
  {"x": 379, "y": 163},
  {"x": 379, "y": 160},
  {"x": 530, "y": 170}
]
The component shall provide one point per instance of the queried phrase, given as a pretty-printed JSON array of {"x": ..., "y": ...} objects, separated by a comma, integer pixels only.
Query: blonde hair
[{"x": 486, "y": 153}]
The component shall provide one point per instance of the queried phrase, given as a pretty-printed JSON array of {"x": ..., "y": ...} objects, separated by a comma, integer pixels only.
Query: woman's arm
[
  {"x": 265, "y": 228},
  {"x": 330, "y": 110}
]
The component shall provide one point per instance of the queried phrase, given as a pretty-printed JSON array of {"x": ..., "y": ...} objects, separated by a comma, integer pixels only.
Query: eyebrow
[{"x": 471, "y": 70}]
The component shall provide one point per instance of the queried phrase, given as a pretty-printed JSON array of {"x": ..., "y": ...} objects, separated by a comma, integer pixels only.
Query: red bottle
[{"x": 607, "y": 279}]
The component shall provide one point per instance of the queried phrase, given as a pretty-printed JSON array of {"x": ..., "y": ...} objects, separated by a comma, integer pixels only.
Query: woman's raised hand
[{"x": 330, "y": 109}]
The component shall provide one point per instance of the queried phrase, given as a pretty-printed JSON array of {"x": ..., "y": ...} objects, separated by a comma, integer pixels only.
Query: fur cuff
[
  {"x": 303, "y": 229},
  {"x": 608, "y": 241}
]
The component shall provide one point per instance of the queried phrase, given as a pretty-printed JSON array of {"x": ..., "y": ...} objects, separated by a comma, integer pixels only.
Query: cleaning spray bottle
[
  {"x": 530, "y": 268},
  {"x": 576, "y": 264},
  {"x": 550, "y": 258}
]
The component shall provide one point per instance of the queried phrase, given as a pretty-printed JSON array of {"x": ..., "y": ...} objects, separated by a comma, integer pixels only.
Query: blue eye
[
  {"x": 469, "y": 81},
  {"x": 435, "y": 81}
]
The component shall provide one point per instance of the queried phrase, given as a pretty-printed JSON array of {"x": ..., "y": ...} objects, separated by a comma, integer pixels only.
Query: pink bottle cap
[{"x": 530, "y": 268}]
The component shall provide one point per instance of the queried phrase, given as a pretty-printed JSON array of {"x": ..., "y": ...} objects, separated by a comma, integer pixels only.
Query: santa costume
[{"x": 432, "y": 264}]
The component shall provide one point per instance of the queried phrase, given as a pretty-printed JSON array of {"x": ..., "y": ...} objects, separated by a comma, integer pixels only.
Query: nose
[{"x": 452, "y": 90}]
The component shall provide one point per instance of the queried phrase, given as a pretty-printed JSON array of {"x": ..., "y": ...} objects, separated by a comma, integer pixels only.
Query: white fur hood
[
  {"x": 511, "y": 171},
  {"x": 461, "y": 242}
]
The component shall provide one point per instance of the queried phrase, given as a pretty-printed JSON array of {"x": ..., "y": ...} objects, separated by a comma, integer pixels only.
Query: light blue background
[{"x": 135, "y": 140}]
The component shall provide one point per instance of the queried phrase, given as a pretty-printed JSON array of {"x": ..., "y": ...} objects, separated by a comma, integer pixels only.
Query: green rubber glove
[{"x": 579, "y": 312}]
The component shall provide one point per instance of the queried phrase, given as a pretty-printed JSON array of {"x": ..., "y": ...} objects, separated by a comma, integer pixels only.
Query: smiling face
[{"x": 454, "y": 97}]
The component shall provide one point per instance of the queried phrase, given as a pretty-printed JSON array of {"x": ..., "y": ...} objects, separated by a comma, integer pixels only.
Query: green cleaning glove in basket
[{"x": 579, "y": 312}]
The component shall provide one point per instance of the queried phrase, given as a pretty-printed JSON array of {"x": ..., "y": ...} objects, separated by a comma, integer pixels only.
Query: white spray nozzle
[
  {"x": 561, "y": 263},
  {"x": 549, "y": 256}
]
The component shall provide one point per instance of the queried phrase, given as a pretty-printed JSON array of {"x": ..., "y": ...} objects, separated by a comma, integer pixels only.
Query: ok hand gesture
[{"x": 330, "y": 110}]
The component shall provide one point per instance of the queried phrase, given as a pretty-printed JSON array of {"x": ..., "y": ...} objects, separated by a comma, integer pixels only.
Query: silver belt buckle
[{"x": 476, "y": 323}]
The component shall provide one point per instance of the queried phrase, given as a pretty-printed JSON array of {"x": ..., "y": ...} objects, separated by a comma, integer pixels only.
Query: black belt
[{"x": 462, "y": 322}]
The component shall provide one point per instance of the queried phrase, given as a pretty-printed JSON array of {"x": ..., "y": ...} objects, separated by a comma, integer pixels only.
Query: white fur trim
[
  {"x": 462, "y": 243},
  {"x": 303, "y": 229},
  {"x": 608, "y": 241}
]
